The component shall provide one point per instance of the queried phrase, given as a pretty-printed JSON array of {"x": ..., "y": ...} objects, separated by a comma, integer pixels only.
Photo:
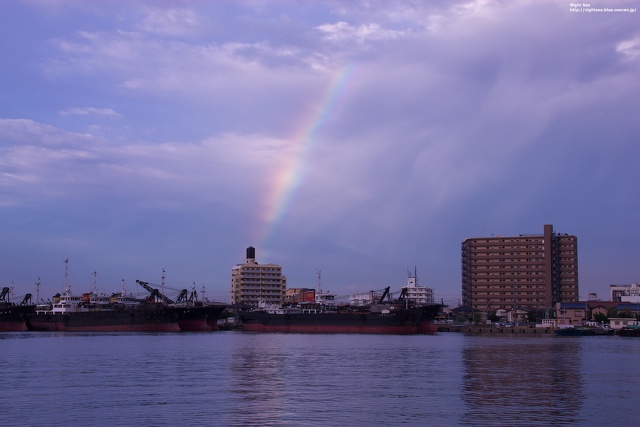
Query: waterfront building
[
  {"x": 617, "y": 323},
  {"x": 252, "y": 282},
  {"x": 526, "y": 272},
  {"x": 578, "y": 312},
  {"x": 625, "y": 293},
  {"x": 571, "y": 313}
]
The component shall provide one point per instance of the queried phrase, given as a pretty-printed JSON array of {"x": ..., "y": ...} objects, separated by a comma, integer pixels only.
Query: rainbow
[{"x": 289, "y": 177}]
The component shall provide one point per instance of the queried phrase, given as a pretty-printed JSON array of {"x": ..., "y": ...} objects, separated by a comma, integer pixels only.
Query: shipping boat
[
  {"x": 92, "y": 312},
  {"x": 12, "y": 316},
  {"x": 399, "y": 316}
]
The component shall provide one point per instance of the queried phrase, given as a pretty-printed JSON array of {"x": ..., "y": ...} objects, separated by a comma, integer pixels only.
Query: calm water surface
[{"x": 235, "y": 378}]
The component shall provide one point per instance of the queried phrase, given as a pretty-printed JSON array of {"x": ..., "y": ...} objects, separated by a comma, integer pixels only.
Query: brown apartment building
[{"x": 524, "y": 272}]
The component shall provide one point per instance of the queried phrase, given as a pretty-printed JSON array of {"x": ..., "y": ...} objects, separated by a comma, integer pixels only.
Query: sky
[{"x": 362, "y": 139}]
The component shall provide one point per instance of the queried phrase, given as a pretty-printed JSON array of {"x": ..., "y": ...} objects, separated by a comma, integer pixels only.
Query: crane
[{"x": 154, "y": 292}]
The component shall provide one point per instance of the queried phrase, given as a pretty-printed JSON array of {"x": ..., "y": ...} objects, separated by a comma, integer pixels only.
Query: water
[{"x": 241, "y": 379}]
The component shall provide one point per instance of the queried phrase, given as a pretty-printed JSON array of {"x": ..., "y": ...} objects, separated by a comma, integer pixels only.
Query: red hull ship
[
  {"x": 119, "y": 313},
  {"x": 12, "y": 316},
  {"x": 397, "y": 317}
]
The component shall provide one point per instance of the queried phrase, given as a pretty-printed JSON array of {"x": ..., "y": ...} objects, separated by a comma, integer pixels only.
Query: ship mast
[
  {"x": 95, "y": 284},
  {"x": 163, "y": 281},
  {"x": 38, "y": 290},
  {"x": 122, "y": 293},
  {"x": 67, "y": 284}
]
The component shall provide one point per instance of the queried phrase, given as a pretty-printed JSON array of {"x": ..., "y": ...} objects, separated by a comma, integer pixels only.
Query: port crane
[
  {"x": 155, "y": 293},
  {"x": 5, "y": 293},
  {"x": 184, "y": 297}
]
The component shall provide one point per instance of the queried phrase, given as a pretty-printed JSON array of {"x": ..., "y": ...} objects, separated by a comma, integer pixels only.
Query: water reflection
[
  {"x": 524, "y": 380},
  {"x": 257, "y": 384}
]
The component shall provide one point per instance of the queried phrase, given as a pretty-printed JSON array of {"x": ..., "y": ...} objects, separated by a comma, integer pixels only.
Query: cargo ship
[
  {"x": 398, "y": 316},
  {"x": 91, "y": 312},
  {"x": 12, "y": 316}
]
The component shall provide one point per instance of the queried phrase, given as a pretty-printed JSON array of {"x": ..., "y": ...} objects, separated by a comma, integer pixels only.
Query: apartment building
[
  {"x": 252, "y": 282},
  {"x": 524, "y": 272}
]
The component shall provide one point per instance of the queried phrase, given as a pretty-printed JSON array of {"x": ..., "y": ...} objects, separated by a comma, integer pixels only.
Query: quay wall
[
  {"x": 485, "y": 329},
  {"x": 488, "y": 329}
]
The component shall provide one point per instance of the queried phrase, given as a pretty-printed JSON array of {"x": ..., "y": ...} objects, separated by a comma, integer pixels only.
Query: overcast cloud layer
[{"x": 141, "y": 136}]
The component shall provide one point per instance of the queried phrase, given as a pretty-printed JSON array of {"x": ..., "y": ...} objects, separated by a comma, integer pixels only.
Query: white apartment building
[
  {"x": 625, "y": 293},
  {"x": 252, "y": 282}
]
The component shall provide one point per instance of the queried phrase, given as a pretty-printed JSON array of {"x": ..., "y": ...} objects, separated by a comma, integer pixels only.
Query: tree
[
  {"x": 477, "y": 317},
  {"x": 601, "y": 318}
]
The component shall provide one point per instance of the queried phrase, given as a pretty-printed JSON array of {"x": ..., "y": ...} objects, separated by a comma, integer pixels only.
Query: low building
[
  {"x": 571, "y": 313},
  {"x": 617, "y": 323},
  {"x": 578, "y": 312}
]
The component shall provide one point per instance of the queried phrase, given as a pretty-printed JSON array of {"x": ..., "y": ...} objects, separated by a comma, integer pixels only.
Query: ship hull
[
  {"x": 141, "y": 319},
  {"x": 12, "y": 317},
  {"x": 401, "y": 322},
  {"x": 106, "y": 321},
  {"x": 200, "y": 319}
]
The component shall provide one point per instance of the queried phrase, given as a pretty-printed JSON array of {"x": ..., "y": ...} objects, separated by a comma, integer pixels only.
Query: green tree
[
  {"x": 601, "y": 318},
  {"x": 477, "y": 317}
]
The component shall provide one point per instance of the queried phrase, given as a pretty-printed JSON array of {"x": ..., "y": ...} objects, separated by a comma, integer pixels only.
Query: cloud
[
  {"x": 630, "y": 49},
  {"x": 85, "y": 111},
  {"x": 171, "y": 22},
  {"x": 342, "y": 31},
  {"x": 41, "y": 160},
  {"x": 456, "y": 114}
]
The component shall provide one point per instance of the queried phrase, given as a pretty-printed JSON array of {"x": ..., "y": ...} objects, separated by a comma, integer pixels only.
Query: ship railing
[{"x": 44, "y": 309}]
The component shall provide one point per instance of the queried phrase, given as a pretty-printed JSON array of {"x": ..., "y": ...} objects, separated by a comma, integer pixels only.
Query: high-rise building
[
  {"x": 524, "y": 272},
  {"x": 252, "y": 282}
]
